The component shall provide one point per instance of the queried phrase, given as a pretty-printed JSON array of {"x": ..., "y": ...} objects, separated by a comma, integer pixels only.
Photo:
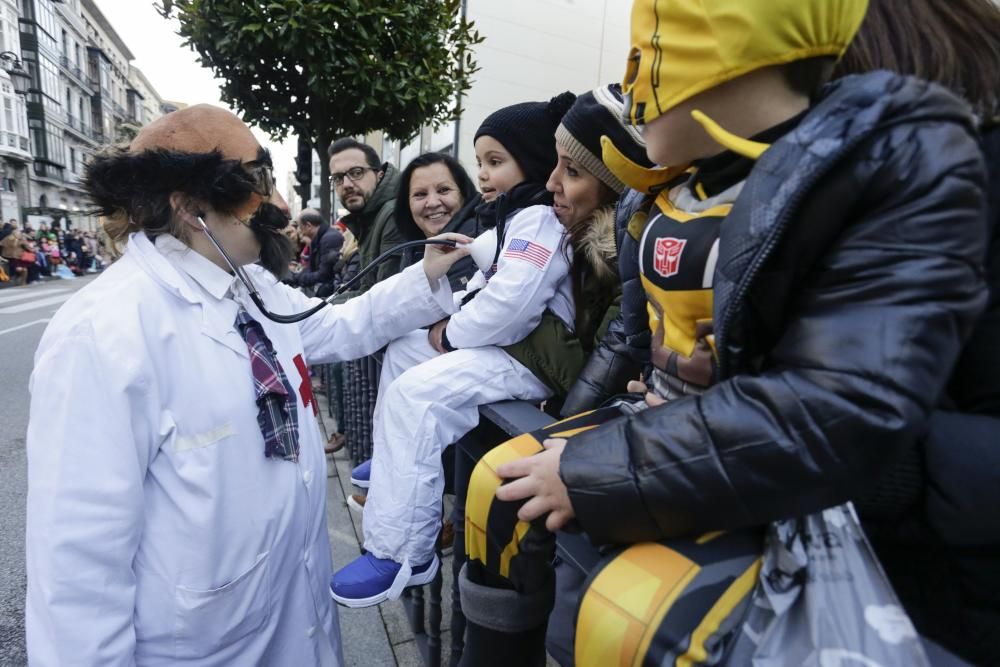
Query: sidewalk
[{"x": 380, "y": 635}]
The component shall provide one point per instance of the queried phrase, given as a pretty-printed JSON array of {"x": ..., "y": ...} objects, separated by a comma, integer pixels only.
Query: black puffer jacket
[
  {"x": 849, "y": 275},
  {"x": 943, "y": 555},
  {"x": 324, "y": 253}
]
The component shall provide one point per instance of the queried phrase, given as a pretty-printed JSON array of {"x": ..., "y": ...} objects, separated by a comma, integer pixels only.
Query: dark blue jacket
[{"x": 324, "y": 253}]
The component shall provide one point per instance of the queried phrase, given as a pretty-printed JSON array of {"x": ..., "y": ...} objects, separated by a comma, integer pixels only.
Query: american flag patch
[{"x": 527, "y": 251}]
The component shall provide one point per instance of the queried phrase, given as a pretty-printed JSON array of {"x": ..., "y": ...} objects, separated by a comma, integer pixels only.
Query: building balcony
[
  {"x": 78, "y": 129},
  {"x": 76, "y": 73},
  {"x": 14, "y": 146}
]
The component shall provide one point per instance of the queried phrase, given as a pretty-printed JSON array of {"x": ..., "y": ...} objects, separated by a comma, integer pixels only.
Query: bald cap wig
[{"x": 203, "y": 152}]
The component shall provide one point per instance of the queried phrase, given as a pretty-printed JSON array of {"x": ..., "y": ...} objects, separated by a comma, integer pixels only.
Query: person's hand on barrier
[
  {"x": 639, "y": 387},
  {"x": 539, "y": 481},
  {"x": 439, "y": 258},
  {"x": 434, "y": 336}
]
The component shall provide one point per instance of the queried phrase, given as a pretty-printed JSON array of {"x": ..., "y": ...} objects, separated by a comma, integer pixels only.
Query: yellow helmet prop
[{"x": 684, "y": 47}]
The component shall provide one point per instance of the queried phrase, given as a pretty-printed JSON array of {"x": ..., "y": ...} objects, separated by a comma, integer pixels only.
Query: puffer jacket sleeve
[
  {"x": 866, "y": 342},
  {"x": 606, "y": 373}
]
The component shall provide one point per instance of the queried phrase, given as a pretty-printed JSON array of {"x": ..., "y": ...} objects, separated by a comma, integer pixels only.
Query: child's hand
[
  {"x": 439, "y": 258},
  {"x": 637, "y": 386},
  {"x": 539, "y": 481},
  {"x": 435, "y": 335}
]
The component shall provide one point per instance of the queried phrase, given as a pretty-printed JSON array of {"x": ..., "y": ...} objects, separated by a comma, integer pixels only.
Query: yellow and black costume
[
  {"x": 676, "y": 248},
  {"x": 838, "y": 303}
]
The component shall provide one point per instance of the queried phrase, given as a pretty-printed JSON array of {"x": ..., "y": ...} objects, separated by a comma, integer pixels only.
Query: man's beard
[
  {"x": 276, "y": 249},
  {"x": 355, "y": 207}
]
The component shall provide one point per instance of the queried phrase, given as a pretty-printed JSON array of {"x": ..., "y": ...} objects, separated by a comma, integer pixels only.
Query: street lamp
[{"x": 20, "y": 78}]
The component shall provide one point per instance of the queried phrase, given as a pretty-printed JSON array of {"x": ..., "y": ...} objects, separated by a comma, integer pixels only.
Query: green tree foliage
[{"x": 322, "y": 69}]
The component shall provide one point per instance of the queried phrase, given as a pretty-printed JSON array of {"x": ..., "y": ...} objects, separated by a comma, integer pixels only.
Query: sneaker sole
[
  {"x": 361, "y": 483},
  {"x": 354, "y": 505},
  {"x": 421, "y": 579}
]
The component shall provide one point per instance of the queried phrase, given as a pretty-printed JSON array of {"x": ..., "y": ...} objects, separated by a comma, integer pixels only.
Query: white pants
[{"x": 426, "y": 402}]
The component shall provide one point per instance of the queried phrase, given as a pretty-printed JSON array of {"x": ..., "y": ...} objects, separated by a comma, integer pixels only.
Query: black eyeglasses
[{"x": 355, "y": 174}]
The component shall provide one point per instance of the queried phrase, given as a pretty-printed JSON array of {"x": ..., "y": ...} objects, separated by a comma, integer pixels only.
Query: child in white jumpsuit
[{"x": 427, "y": 399}]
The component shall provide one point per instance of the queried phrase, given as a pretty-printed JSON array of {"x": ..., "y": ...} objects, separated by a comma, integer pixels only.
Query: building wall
[
  {"x": 108, "y": 62},
  {"x": 147, "y": 102},
  {"x": 535, "y": 49},
  {"x": 76, "y": 95}
]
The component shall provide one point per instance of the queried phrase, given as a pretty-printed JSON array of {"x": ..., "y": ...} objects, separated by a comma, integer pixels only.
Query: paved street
[{"x": 24, "y": 311}]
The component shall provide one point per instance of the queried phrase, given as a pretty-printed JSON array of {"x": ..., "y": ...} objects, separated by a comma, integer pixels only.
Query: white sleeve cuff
[{"x": 440, "y": 289}]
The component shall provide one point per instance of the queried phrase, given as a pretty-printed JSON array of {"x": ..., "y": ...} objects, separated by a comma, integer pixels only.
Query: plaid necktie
[{"x": 277, "y": 413}]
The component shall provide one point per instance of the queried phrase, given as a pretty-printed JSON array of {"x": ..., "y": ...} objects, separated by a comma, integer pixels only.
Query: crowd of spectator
[{"x": 28, "y": 255}]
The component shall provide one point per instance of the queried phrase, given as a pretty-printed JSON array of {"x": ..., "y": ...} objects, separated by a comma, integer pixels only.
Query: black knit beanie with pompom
[{"x": 527, "y": 130}]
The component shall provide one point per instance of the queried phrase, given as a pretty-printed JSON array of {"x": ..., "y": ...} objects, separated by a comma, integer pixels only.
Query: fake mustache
[{"x": 269, "y": 216}]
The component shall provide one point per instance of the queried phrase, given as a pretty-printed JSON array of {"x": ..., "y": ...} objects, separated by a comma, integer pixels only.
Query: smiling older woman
[{"x": 436, "y": 195}]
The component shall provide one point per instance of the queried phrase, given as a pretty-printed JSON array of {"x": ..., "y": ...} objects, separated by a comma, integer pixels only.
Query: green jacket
[
  {"x": 554, "y": 354},
  {"x": 374, "y": 228}
]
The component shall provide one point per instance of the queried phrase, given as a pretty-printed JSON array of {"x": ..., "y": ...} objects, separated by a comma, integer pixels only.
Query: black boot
[
  {"x": 488, "y": 648},
  {"x": 503, "y": 627}
]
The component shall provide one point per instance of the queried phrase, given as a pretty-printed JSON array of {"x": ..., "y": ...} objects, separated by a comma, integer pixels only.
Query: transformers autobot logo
[{"x": 667, "y": 260}]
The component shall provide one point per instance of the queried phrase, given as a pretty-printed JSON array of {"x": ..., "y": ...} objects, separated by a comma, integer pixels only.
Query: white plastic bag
[{"x": 823, "y": 600}]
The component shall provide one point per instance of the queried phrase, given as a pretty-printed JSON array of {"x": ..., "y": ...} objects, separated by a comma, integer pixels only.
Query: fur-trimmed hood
[{"x": 597, "y": 246}]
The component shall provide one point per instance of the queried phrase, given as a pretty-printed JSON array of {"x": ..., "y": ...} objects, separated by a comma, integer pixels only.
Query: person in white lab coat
[
  {"x": 433, "y": 383},
  {"x": 176, "y": 492}
]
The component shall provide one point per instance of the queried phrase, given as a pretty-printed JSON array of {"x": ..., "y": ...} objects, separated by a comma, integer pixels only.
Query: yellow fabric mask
[{"x": 683, "y": 47}]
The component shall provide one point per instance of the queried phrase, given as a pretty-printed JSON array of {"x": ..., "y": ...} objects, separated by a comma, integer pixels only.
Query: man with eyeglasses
[{"x": 367, "y": 189}]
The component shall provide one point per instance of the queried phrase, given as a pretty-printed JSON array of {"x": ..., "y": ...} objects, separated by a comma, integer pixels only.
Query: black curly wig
[{"x": 132, "y": 190}]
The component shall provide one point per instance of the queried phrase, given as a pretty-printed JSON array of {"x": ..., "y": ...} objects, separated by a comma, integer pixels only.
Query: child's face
[
  {"x": 498, "y": 170},
  {"x": 675, "y": 139}
]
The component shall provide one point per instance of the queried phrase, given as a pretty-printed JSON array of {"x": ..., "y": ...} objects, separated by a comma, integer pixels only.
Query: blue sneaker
[
  {"x": 368, "y": 580},
  {"x": 362, "y": 475}
]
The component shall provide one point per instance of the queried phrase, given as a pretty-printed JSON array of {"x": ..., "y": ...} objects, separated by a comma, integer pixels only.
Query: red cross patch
[{"x": 306, "y": 388}]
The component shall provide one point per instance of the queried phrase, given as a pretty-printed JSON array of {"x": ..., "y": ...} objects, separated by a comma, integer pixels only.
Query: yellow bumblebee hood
[{"x": 684, "y": 47}]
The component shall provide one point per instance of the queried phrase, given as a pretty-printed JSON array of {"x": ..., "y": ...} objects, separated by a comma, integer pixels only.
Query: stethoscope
[{"x": 292, "y": 319}]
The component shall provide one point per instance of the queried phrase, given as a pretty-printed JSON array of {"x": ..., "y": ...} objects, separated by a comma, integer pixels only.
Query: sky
[{"x": 174, "y": 70}]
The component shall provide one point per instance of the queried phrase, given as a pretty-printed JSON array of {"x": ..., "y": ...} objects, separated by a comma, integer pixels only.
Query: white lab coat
[
  {"x": 157, "y": 531},
  {"x": 429, "y": 400}
]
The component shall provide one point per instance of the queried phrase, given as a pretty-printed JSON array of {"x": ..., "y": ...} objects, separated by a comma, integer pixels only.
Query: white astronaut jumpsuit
[{"x": 429, "y": 400}]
